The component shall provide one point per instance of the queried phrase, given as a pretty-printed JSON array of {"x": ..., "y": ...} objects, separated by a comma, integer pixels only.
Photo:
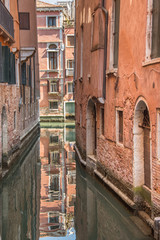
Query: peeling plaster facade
[{"x": 124, "y": 138}]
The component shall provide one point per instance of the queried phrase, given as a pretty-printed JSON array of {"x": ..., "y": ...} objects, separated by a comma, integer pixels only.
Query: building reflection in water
[
  {"x": 19, "y": 198},
  {"x": 99, "y": 215},
  {"x": 58, "y": 182}
]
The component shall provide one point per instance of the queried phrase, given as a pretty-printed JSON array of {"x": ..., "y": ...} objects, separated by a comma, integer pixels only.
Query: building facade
[
  {"x": 117, "y": 98},
  {"x": 56, "y": 54},
  {"x": 19, "y": 81}
]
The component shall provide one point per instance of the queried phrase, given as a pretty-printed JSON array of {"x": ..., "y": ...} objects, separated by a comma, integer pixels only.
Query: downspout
[{"x": 105, "y": 52}]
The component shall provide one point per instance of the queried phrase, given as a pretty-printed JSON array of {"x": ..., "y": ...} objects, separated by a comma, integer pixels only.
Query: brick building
[
  {"x": 56, "y": 54},
  {"x": 117, "y": 97},
  {"x": 19, "y": 77}
]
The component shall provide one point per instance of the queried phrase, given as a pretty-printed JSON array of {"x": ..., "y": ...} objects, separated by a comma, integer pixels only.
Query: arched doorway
[
  {"x": 91, "y": 138},
  {"x": 142, "y": 146},
  {"x": 4, "y": 135}
]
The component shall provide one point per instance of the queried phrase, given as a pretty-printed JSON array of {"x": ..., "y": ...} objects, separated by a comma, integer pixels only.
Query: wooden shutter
[
  {"x": 1, "y": 66},
  {"x": 156, "y": 29},
  {"x": 24, "y": 20},
  {"x": 116, "y": 33},
  {"x": 23, "y": 72},
  {"x": 6, "y": 61},
  {"x": 12, "y": 76}
]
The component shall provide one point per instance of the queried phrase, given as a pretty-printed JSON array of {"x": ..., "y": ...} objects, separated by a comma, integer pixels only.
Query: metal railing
[{"x": 6, "y": 20}]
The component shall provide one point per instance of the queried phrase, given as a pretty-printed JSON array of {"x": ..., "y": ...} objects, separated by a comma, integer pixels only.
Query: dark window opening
[
  {"x": 116, "y": 33},
  {"x": 102, "y": 121},
  {"x": 70, "y": 41},
  {"x": 24, "y": 21},
  {"x": 52, "y": 60},
  {"x": 155, "y": 29},
  {"x": 53, "y": 105},
  {"x": 51, "y": 21},
  {"x": 120, "y": 116}
]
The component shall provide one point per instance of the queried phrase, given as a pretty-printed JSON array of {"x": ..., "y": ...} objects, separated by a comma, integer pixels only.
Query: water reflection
[
  {"x": 19, "y": 198},
  {"x": 58, "y": 182},
  {"x": 100, "y": 216}
]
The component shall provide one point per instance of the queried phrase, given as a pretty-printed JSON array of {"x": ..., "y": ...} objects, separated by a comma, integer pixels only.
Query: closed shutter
[
  {"x": 23, "y": 72},
  {"x": 47, "y": 85},
  {"x": 30, "y": 77},
  {"x": 116, "y": 33},
  {"x": 12, "y": 77},
  {"x": 1, "y": 66},
  {"x": 6, "y": 61},
  {"x": 156, "y": 29}
]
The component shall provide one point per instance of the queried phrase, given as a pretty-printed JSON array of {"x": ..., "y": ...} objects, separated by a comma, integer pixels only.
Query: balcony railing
[{"x": 6, "y": 22}]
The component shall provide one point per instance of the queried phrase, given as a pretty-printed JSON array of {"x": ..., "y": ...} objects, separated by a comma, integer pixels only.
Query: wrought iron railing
[{"x": 6, "y": 20}]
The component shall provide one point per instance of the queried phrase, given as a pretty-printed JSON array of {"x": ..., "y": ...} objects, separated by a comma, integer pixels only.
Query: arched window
[{"x": 52, "y": 56}]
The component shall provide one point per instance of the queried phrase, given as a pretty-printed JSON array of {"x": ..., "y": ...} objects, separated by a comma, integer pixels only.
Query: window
[
  {"x": 114, "y": 41},
  {"x": 53, "y": 139},
  {"x": 54, "y": 183},
  {"x": 7, "y": 65},
  {"x": 119, "y": 126},
  {"x": 53, "y": 105},
  {"x": 55, "y": 156},
  {"x": 53, "y": 87},
  {"x": 52, "y": 54},
  {"x": 23, "y": 73},
  {"x": 70, "y": 64},
  {"x": 155, "y": 29},
  {"x": 51, "y": 21},
  {"x": 24, "y": 20},
  {"x": 52, "y": 60},
  {"x": 70, "y": 41},
  {"x": 15, "y": 119},
  {"x": 70, "y": 87},
  {"x": 116, "y": 33},
  {"x": 102, "y": 121}
]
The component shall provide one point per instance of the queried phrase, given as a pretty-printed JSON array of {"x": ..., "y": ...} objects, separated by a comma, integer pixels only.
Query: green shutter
[
  {"x": 23, "y": 72},
  {"x": 6, "y": 62},
  {"x": 156, "y": 29},
  {"x": 116, "y": 33},
  {"x": 1, "y": 66},
  {"x": 70, "y": 107},
  {"x": 12, "y": 77}
]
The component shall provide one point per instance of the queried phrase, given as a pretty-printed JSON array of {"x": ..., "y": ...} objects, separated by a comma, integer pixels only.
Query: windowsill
[
  {"x": 112, "y": 71},
  {"x": 48, "y": 28},
  {"x": 52, "y": 70},
  {"x": 120, "y": 144},
  {"x": 150, "y": 62},
  {"x": 70, "y": 46},
  {"x": 54, "y": 93},
  {"x": 54, "y": 110}
]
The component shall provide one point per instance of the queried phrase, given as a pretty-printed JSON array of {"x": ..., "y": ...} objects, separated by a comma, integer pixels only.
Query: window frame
[
  {"x": 69, "y": 35},
  {"x": 121, "y": 143},
  {"x": 53, "y": 109},
  {"x": 48, "y": 56},
  {"x": 53, "y": 16},
  {"x": 68, "y": 88},
  {"x": 67, "y": 63},
  {"x": 52, "y": 82}
]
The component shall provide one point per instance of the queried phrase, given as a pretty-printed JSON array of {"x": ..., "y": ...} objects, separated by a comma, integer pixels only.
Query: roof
[{"x": 41, "y": 4}]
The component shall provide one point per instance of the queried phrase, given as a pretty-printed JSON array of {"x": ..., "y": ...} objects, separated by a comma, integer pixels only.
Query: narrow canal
[{"x": 49, "y": 196}]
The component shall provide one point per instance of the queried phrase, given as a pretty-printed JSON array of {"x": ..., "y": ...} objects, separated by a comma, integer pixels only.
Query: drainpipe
[{"x": 105, "y": 52}]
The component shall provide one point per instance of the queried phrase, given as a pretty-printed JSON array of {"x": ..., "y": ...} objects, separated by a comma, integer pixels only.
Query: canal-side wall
[
  {"x": 117, "y": 97},
  {"x": 19, "y": 80}
]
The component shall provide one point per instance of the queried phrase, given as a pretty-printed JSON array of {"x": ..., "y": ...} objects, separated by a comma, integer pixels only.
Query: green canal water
[{"x": 48, "y": 195}]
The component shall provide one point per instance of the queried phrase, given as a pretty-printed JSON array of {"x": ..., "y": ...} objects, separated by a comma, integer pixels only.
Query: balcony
[
  {"x": 6, "y": 24},
  {"x": 69, "y": 72}
]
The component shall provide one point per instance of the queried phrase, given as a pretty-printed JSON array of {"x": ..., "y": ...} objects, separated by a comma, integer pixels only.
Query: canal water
[{"x": 49, "y": 196}]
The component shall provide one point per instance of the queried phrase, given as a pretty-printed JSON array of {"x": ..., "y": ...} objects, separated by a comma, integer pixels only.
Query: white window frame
[
  {"x": 67, "y": 63},
  {"x": 68, "y": 35},
  {"x": 112, "y": 29},
  {"x": 52, "y": 50},
  {"x": 149, "y": 31},
  {"x": 56, "y": 21},
  {"x": 67, "y": 87},
  {"x": 51, "y": 109},
  {"x": 53, "y": 83}
]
